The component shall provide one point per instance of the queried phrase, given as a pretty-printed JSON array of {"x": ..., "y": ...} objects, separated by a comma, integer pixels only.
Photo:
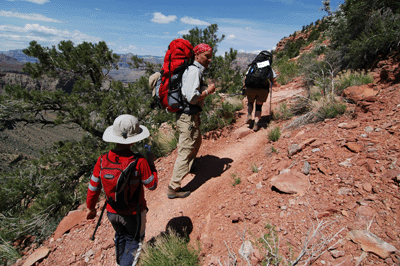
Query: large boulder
[{"x": 360, "y": 93}]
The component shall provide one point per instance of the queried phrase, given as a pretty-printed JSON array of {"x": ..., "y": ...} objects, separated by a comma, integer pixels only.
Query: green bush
[
  {"x": 320, "y": 49},
  {"x": 269, "y": 243},
  {"x": 236, "y": 180},
  {"x": 273, "y": 149},
  {"x": 217, "y": 113},
  {"x": 169, "y": 250},
  {"x": 292, "y": 48},
  {"x": 8, "y": 253},
  {"x": 282, "y": 113},
  {"x": 348, "y": 79},
  {"x": 287, "y": 69},
  {"x": 314, "y": 35},
  {"x": 315, "y": 93},
  {"x": 274, "y": 134},
  {"x": 330, "y": 109},
  {"x": 301, "y": 105},
  {"x": 254, "y": 168}
]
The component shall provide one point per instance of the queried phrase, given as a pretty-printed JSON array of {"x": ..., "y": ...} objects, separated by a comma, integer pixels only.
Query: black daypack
[{"x": 260, "y": 71}]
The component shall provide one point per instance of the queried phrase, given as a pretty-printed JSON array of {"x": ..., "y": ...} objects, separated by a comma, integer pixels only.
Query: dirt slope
[{"x": 350, "y": 185}]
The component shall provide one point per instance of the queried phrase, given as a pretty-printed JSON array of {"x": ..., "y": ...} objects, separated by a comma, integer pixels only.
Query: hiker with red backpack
[
  {"x": 123, "y": 175},
  {"x": 194, "y": 90}
]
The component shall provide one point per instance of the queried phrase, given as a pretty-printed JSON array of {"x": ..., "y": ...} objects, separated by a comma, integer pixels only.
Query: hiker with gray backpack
[
  {"x": 258, "y": 82},
  {"x": 123, "y": 175}
]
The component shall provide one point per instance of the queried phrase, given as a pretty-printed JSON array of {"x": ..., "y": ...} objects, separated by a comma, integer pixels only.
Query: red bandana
[{"x": 201, "y": 48}]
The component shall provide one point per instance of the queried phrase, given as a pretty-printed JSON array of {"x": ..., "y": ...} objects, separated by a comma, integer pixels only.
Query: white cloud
[
  {"x": 193, "y": 21},
  {"x": 183, "y": 32},
  {"x": 40, "y": 2},
  {"x": 162, "y": 19},
  {"x": 126, "y": 49},
  {"x": 44, "y": 34},
  {"x": 33, "y": 16},
  {"x": 231, "y": 37}
]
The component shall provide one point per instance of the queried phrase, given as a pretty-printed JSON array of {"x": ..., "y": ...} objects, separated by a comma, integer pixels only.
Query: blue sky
[{"x": 147, "y": 27}]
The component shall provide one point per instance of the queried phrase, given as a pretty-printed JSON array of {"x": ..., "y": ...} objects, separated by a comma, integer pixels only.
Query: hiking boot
[
  {"x": 256, "y": 127},
  {"x": 249, "y": 118},
  {"x": 177, "y": 193}
]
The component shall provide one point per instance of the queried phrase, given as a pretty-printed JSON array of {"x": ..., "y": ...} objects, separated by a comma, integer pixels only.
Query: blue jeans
[{"x": 127, "y": 237}]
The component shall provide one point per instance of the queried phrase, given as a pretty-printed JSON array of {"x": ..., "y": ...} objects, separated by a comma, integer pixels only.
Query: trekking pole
[
  {"x": 270, "y": 100},
  {"x": 137, "y": 255},
  {"x": 99, "y": 221}
]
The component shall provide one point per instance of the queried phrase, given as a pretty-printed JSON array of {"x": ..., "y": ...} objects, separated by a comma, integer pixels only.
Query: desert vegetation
[{"x": 360, "y": 33}]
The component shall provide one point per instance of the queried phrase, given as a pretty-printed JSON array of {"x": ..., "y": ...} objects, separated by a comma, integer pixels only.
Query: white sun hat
[{"x": 125, "y": 130}]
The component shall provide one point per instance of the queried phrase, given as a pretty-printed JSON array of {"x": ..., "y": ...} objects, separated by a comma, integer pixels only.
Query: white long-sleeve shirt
[{"x": 193, "y": 83}]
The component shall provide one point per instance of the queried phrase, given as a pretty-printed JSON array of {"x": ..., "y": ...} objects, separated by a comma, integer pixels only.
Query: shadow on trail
[
  {"x": 205, "y": 168},
  {"x": 181, "y": 226},
  {"x": 264, "y": 121}
]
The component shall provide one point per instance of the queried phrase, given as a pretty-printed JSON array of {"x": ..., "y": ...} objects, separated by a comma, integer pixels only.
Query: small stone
[
  {"x": 354, "y": 147},
  {"x": 348, "y": 125},
  {"x": 246, "y": 250},
  {"x": 344, "y": 191},
  {"x": 370, "y": 166},
  {"x": 367, "y": 187},
  {"x": 337, "y": 253},
  {"x": 293, "y": 149},
  {"x": 368, "y": 129},
  {"x": 306, "y": 168},
  {"x": 324, "y": 169},
  {"x": 346, "y": 163},
  {"x": 236, "y": 217},
  {"x": 254, "y": 202}
]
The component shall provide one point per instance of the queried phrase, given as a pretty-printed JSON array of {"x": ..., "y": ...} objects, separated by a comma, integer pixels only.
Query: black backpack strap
[{"x": 137, "y": 195}]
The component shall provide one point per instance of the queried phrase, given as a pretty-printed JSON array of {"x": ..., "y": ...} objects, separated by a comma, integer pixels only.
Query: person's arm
[
  {"x": 273, "y": 78},
  {"x": 191, "y": 82},
  {"x": 210, "y": 90},
  {"x": 148, "y": 174},
  {"x": 93, "y": 192}
]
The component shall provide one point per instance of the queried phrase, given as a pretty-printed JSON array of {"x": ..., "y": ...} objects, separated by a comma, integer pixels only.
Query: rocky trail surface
[{"x": 329, "y": 189}]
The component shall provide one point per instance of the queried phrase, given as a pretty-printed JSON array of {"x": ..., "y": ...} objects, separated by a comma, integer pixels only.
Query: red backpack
[
  {"x": 168, "y": 90},
  {"x": 115, "y": 177}
]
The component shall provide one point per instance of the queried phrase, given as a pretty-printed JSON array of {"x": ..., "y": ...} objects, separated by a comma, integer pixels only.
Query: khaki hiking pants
[{"x": 188, "y": 146}]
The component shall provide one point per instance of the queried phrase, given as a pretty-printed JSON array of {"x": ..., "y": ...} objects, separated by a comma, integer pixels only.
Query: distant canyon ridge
[{"x": 12, "y": 62}]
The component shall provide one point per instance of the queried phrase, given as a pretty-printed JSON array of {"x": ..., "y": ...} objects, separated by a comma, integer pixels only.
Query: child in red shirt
[{"x": 128, "y": 222}]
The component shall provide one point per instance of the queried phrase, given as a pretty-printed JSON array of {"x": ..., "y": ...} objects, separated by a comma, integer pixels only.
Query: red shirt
[{"x": 143, "y": 176}]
